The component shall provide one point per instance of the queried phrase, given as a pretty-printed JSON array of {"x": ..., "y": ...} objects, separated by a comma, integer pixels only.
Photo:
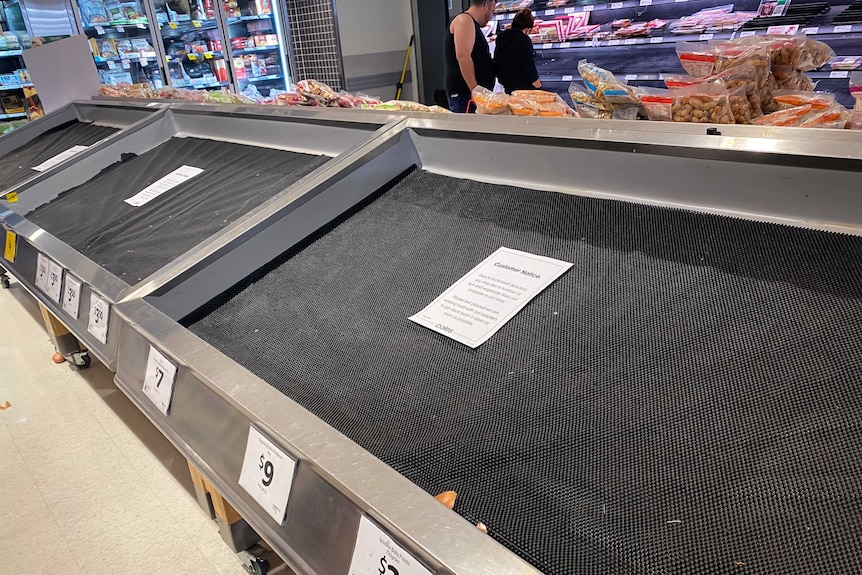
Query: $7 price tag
[
  {"x": 159, "y": 380},
  {"x": 375, "y": 553},
  {"x": 267, "y": 474}
]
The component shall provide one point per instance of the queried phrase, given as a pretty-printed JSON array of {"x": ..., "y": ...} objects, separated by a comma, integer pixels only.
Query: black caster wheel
[
  {"x": 80, "y": 359},
  {"x": 256, "y": 566},
  {"x": 4, "y": 282}
]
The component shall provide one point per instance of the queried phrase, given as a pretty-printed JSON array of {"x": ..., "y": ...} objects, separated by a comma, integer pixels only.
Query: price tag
[
  {"x": 510, "y": 16},
  {"x": 120, "y": 29},
  {"x": 547, "y": 46},
  {"x": 566, "y": 45},
  {"x": 11, "y": 247},
  {"x": 72, "y": 296},
  {"x": 549, "y": 12},
  {"x": 172, "y": 25},
  {"x": 126, "y": 65},
  {"x": 145, "y": 62},
  {"x": 569, "y": 10},
  {"x": 112, "y": 65},
  {"x": 613, "y": 42},
  {"x": 43, "y": 266},
  {"x": 630, "y": 77},
  {"x": 196, "y": 23},
  {"x": 142, "y": 26},
  {"x": 679, "y": 1},
  {"x": 783, "y": 29},
  {"x": 208, "y": 55},
  {"x": 707, "y": 36},
  {"x": 100, "y": 30},
  {"x": 656, "y": 40},
  {"x": 747, "y": 33},
  {"x": 159, "y": 380},
  {"x": 588, "y": 8},
  {"x": 568, "y": 78},
  {"x": 812, "y": 30},
  {"x": 838, "y": 74},
  {"x": 12, "y": 197},
  {"x": 646, "y": 2},
  {"x": 616, "y": 5},
  {"x": 630, "y": 41},
  {"x": 192, "y": 57},
  {"x": 499, "y": 17},
  {"x": 375, "y": 553},
  {"x": 267, "y": 474},
  {"x": 100, "y": 315},
  {"x": 54, "y": 288},
  {"x": 843, "y": 29}
]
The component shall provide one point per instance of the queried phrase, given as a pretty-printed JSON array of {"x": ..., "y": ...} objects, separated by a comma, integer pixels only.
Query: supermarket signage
[
  {"x": 100, "y": 315},
  {"x": 167, "y": 183},
  {"x": 159, "y": 380},
  {"x": 43, "y": 266},
  {"x": 11, "y": 246},
  {"x": 375, "y": 553},
  {"x": 480, "y": 303},
  {"x": 267, "y": 474},
  {"x": 54, "y": 285},
  {"x": 72, "y": 296},
  {"x": 61, "y": 157}
]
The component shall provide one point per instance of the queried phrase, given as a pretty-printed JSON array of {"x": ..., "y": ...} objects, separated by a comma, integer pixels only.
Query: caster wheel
[
  {"x": 80, "y": 359},
  {"x": 5, "y": 283},
  {"x": 58, "y": 358},
  {"x": 257, "y": 566}
]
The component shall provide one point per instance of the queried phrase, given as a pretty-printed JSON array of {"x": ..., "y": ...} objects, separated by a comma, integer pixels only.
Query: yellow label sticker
[
  {"x": 12, "y": 197},
  {"x": 208, "y": 55},
  {"x": 172, "y": 25},
  {"x": 196, "y": 23},
  {"x": 192, "y": 57},
  {"x": 11, "y": 246}
]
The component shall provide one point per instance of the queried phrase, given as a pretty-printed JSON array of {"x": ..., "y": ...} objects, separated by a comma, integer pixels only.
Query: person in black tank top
[{"x": 467, "y": 57}]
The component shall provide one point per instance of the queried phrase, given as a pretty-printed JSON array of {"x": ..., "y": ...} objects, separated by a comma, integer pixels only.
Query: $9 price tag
[
  {"x": 159, "y": 380},
  {"x": 375, "y": 553},
  {"x": 267, "y": 474},
  {"x": 100, "y": 312}
]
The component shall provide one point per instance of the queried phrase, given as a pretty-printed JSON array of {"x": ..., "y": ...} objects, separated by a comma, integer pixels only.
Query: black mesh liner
[
  {"x": 686, "y": 399},
  {"x": 133, "y": 242},
  {"x": 18, "y": 166}
]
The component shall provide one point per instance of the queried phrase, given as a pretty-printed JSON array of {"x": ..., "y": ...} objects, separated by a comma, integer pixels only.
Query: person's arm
[
  {"x": 529, "y": 63},
  {"x": 465, "y": 36}
]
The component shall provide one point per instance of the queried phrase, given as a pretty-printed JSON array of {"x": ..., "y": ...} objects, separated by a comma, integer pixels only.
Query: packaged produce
[
  {"x": 816, "y": 54},
  {"x": 704, "y": 103},
  {"x": 539, "y": 96},
  {"x": 523, "y": 107},
  {"x": 402, "y": 106},
  {"x": 314, "y": 90},
  {"x": 604, "y": 84},
  {"x": 488, "y": 102},
  {"x": 696, "y": 58},
  {"x": 680, "y": 80},
  {"x": 783, "y": 117},
  {"x": 657, "y": 103},
  {"x": 791, "y": 99},
  {"x": 739, "y": 76},
  {"x": 835, "y": 117},
  {"x": 739, "y": 106},
  {"x": 557, "y": 109},
  {"x": 787, "y": 78}
]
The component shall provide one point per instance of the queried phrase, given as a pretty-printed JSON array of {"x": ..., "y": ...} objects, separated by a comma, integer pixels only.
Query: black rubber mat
[
  {"x": 18, "y": 166},
  {"x": 133, "y": 242},
  {"x": 686, "y": 399}
]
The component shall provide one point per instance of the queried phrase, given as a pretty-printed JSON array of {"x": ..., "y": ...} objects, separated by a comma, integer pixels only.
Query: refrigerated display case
[
  {"x": 16, "y": 90},
  {"x": 122, "y": 41},
  {"x": 193, "y": 44},
  {"x": 257, "y": 46}
]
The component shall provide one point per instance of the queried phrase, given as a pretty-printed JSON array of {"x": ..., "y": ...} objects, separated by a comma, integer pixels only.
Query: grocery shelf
[
  {"x": 197, "y": 55},
  {"x": 656, "y": 77},
  {"x": 566, "y": 10},
  {"x": 142, "y": 25},
  {"x": 18, "y": 87},
  {"x": 190, "y": 25},
  {"x": 7, "y": 53},
  {"x": 255, "y": 50},
  {"x": 105, "y": 60},
  {"x": 10, "y": 116},
  {"x": 236, "y": 19},
  {"x": 202, "y": 83},
  {"x": 263, "y": 78}
]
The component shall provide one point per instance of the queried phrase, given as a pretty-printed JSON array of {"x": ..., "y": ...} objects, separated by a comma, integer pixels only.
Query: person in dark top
[
  {"x": 514, "y": 59},
  {"x": 467, "y": 57}
]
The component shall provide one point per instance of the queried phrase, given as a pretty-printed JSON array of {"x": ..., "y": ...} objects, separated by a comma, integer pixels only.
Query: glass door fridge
[
  {"x": 121, "y": 40},
  {"x": 194, "y": 44},
  {"x": 257, "y": 47}
]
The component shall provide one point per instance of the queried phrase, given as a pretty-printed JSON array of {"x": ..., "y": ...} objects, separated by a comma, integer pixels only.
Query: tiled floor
[{"x": 87, "y": 484}]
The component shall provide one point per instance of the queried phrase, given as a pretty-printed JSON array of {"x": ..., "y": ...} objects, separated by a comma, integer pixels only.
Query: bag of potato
[
  {"x": 739, "y": 106},
  {"x": 697, "y": 59},
  {"x": 811, "y": 55},
  {"x": 674, "y": 81},
  {"x": 657, "y": 103},
  {"x": 706, "y": 103},
  {"x": 742, "y": 76}
]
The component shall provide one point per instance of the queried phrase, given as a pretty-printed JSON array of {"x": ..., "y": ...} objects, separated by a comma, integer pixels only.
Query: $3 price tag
[
  {"x": 267, "y": 474},
  {"x": 375, "y": 553}
]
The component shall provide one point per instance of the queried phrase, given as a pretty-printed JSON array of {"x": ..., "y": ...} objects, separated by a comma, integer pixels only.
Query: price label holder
[
  {"x": 707, "y": 36},
  {"x": 616, "y": 5},
  {"x": 549, "y": 12},
  {"x": 747, "y": 33},
  {"x": 570, "y": 10},
  {"x": 100, "y": 315},
  {"x": 72, "y": 296},
  {"x": 126, "y": 65},
  {"x": 196, "y": 23},
  {"x": 842, "y": 29},
  {"x": 547, "y": 46},
  {"x": 566, "y": 45},
  {"x": 54, "y": 287},
  {"x": 375, "y": 552},
  {"x": 839, "y": 74},
  {"x": 656, "y": 40},
  {"x": 143, "y": 26},
  {"x": 812, "y": 30},
  {"x": 613, "y": 42},
  {"x": 646, "y": 2},
  {"x": 11, "y": 248},
  {"x": 159, "y": 380},
  {"x": 267, "y": 474},
  {"x": 172, "y": 25},
  {"x": 783, "y": 29},
  {"x": 630, "y": 77},
  {"x": 208, "y": 55},
  {"x": 192, "y": 57},
  {"x": 100, "y": 30},
  {"x": 12, "y": 197},
  {"x": 630, "y": 41},
  {"x": 568, "y": 78},
  {"x": 43, "y": 267},
  {"x": 588, "y": 8},
  {"x": 120, "y": 29},
  {"x": 144, "y": 62},
  {"x": 112, "y": 65}
]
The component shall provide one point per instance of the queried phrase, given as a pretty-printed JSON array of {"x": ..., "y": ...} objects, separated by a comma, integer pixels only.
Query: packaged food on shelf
[
  {"x": 93, "y": 12},
  {"x": 680, "y": 80},
  {"x": 787, "y": 78},
  {"x": 698, "y": 59},
  {"x": 742, "y": 76},
  {"x": 290, "y": 99},
  {"x": 539, "y": 96},
  {"x": 12, "y": 104},
  {"x": 402, "y": 106},
  {"x": 739, "y": 106},
  {"x": 785, "y": 117},
  {"x": 657, "y": 103},
  {"x": 704, "y": 103},
  {"x": 315, "y": 90},
  {"x": 523, "y": 107},
  {"x": 794, "y": 98},
  {"x": 605, "y": 85},
  {"x": 488, "y": 102},
  {"x": 817, "y": 55},
  {"x": 835, "y": 116}
]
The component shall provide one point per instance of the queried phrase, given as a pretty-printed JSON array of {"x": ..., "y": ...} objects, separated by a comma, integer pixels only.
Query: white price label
[
  {"x": 142, "y": 26},
  {"x": 747, "y": 33},
  {"x": 510, "y": 16},
  {"x": 566, "y": 45},
  {"x": 812, "y": 30},
  {"x": 72, "y": 296},
  {"x": 616, "y": 5},
  {"x": 100, "y": 30},
  {"x": 120, "y": 29},
  {"x": 630, "y": 77},
  {"x": 59, "y": 158},
  {"x": 570, "y": 10},
  {"x": 630, "y": 41},
  {"x": 100, "y": 315},
  {"x": 43, "y": 267},
  {"x": 54, "y": 288},
  {"x": 499, "y": 17},
  {"x": 588, "y": 8},
  {"x": 144, "y": 62},
  {"x": 656, "y": 40},
  {"x": 646, "y": 2},
  {"x": 707, "y": 36},
  {"x": 549, "y": 12},
  {"x": 267, "y": 474},
  {"x": 164, "y": 184},
  {"x": 843, "y": 29},
  {"x": 375, "y": 552},
  {"x": 838, "y": 74},
  {"x": 126, "y": 65},
  {"x": 112, "y": 65},
  {"x": 783, "y": 29},
  {"x": 613, "y": 42},
  {"x": 547, "y": 46},
  {"x": 159, "y": 380},
  {"x": 679, "y": 1},
  {"x": 568, "y": 78}
]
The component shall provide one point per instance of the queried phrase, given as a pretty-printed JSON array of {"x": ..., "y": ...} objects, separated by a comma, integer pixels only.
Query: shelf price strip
[{"x": 267, "y": 474}]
